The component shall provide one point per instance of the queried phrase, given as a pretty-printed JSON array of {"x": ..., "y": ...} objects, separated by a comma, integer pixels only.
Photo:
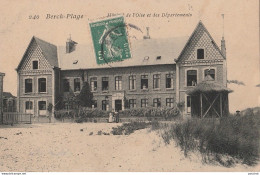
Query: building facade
[{"x": 158, "y": 74}]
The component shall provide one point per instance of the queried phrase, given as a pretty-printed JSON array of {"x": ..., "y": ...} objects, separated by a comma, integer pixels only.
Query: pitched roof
[
  {"x": 8, "y": 95},
  {"x": 208, "y": 86},
  {"x": 200, "y": 24},
  {"x": 144, "y": 52},
  {"x": 48, "y": 50}
]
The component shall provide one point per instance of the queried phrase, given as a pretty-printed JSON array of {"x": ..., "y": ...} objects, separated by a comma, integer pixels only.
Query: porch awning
[{"x": 208, "y": 86}]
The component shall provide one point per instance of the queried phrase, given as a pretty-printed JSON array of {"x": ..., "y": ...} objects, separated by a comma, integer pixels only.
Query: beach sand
[{"x": 69, "y": 147}]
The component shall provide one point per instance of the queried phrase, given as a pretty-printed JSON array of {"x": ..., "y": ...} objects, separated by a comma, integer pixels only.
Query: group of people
[{"x": 113, "y": 117}]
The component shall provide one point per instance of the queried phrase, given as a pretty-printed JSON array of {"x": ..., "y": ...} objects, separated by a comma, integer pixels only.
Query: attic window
[
  {"x": 158, "y": 57},
  {"x": 146, "y": 58},
  {"x": 35, "y": 64},
  {"x": 200, "y": 54}
]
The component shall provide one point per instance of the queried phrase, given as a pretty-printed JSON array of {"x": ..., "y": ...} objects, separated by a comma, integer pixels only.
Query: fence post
[{"x": 30, "y": 118}]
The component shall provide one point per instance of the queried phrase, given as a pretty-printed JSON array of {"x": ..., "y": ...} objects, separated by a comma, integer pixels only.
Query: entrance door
[{"x": 118, "y": 105}]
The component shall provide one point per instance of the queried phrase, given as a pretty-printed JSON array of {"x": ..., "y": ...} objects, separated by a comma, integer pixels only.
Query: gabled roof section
[
  {"x": 198, "y": 27},
  {"x": 48, "y": 50}
]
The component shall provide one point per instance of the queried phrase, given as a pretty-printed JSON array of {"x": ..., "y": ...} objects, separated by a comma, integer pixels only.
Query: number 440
[{"x": 33, "y": 16}]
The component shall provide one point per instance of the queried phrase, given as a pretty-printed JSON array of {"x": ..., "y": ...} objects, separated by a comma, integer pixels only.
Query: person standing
[{"x": 117, "y": 116}]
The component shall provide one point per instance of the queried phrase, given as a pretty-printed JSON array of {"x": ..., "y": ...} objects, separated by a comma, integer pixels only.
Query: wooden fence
[{"x": 15, "y": 118}]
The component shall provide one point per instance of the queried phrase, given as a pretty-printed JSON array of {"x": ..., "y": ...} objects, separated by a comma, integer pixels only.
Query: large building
[{"x": 158, "y": 74}]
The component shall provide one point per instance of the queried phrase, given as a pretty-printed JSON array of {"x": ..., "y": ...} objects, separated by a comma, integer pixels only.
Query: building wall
[
  {"x": 35, "y": 95},
  {"x": 137, "y": 94}
]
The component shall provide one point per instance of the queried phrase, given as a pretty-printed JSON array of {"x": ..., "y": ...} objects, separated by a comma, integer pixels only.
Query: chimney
[
  {"x": 223, "y": 43},
  {"x": 147, "y": 34},
  {"x": 70, "y": 45},
  {"x": 223, "y": 46}
]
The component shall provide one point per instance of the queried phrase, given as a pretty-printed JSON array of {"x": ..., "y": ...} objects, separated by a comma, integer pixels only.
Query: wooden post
[
  {"x": 221, "y": 112},
  {"x": 201, "y": 107}
]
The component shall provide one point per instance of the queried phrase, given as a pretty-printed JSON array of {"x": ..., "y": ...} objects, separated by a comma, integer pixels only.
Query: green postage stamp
[{"x": 110, "y": 40}]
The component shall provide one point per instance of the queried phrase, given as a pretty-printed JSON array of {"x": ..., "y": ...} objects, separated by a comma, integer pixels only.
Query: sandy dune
[{"x": 63, "y": 147}]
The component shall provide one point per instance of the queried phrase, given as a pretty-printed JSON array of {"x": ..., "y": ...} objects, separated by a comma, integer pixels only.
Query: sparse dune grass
[{"x": 226, "y": 141}]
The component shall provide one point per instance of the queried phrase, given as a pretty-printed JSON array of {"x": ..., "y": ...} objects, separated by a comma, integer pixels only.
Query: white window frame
[
  {"x": 43, "y": 112},
  {"x": 158, "y": 99},
  {"x": 29, "y": 111},
  {"x": 119, "y": 86},
  {"x": 172, "y": 83},
  {"x": 91, "y": 85},
  {"x": 205, "y": 53},
  {"x": 145, "y": 103},
  {"x": 145, "y": 74},
  {"x": 38, "y": 84},
  {"x": 105, "y": 90},
  {"x": 203, "y": 70},
  {"x": 186, "y": 72},
  {"x": 170, "y": 103},
  {"x": 80, "y": 84},
  {"x": 32, "y": 84},
  {"x": 132, "y": 80},
  {"x": 159, "y": 79},
  {"x": 38, "y": 64},
  {"x": 133, "y": 100}
]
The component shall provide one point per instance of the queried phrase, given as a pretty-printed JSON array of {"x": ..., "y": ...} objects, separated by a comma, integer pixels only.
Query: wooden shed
[{"x": 209, "y": 99}]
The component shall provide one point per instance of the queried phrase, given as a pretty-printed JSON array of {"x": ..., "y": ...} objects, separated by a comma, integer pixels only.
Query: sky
[{"x": 241, "y": 31}]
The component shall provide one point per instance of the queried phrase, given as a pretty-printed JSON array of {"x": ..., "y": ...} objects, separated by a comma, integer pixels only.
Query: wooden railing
[{"x": 15, "y": 118}]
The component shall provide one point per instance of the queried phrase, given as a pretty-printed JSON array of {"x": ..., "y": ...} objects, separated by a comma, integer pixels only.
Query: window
[
  {"x": 105, "y": 105},
  {"x": 169, "y": 81},
  {"x": 118, "y": 83},
  {"x": 156, "y": 81},
  {"x": 28, "y": 85},
  {"x": 104, "y": 83},
  {"x": 66, "y": 85},
  {"x": 169, "y": 102},
  {"x": 210, "y": 72},
  {"x": 42, "y": 85},
  {"x": 76, "y": 84},
  {"x": 191, "y": 78},
  {"x": 28, "y": 105},
  {"x": 132, "y": 82},
  {"x": 144, "y": 81},
  {"x": 94, "y": 104},
  {"x": 188, "y": 104},
  {"x": 158, "y": 57},
  {"x": 132, "y": 103},
  {"x": 93, "y": 83},
  {"x": 42, "y": 105},
  {"x": 200, "y": 53},
  {"x": 157, "y": 102},
  {"x": 35, "y": 64},
  {"x": 144, "y": 103}
]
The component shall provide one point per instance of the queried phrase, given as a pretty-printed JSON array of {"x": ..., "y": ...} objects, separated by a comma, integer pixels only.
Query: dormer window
[
  {"x": 35, "y": 64},
  {"x": 200, "y": 54},
  {"x": 158, "y": 57}
]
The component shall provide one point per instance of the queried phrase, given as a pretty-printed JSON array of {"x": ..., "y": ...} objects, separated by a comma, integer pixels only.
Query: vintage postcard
[{"x": 129, "y": 86}]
